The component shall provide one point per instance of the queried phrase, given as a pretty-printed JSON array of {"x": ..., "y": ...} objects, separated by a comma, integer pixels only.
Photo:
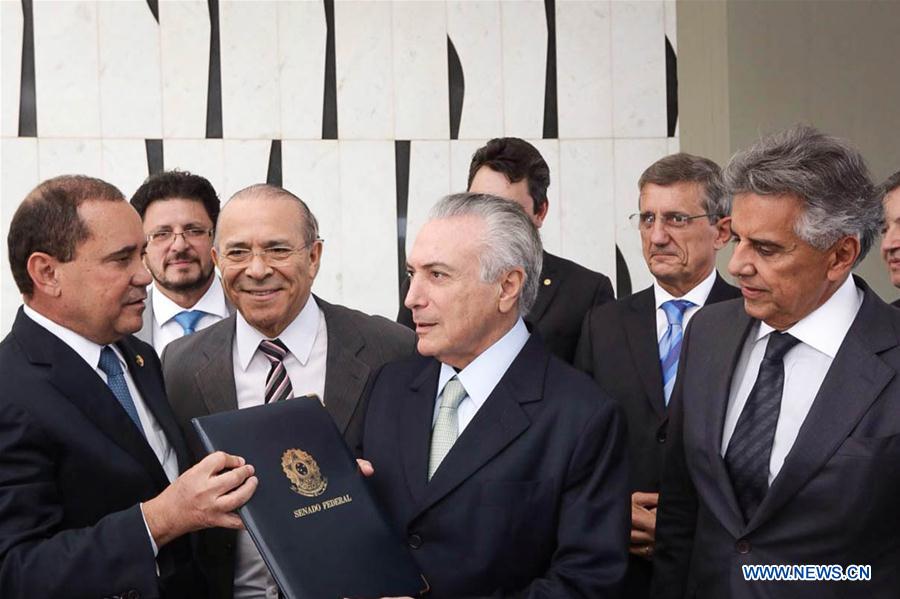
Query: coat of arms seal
[{"x": 303, "y": 471}]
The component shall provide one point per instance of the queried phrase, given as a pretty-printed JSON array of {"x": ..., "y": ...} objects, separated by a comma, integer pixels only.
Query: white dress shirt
[
  {"x": 821, "y": 334},
  {"x": 482, "y": 374},
  {"x": 166, "y": 329},
  {"x": 90, "y": 353},
  {"x": 698, "y": 295},
  {"x": 306, "y": 339}
]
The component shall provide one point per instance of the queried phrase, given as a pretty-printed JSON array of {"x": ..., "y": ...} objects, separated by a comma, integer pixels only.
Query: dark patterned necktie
[
  {"x": 750, "y": 447},
  {"x": 278, "y": 383}
]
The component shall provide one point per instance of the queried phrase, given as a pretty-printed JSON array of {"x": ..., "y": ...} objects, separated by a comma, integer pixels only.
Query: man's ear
[
  {"x": 44, "y": 272},
  {"x": 843, "y": 256},
  {"x": 723, "y": 232},
  {"x": 511, "y": 290},
  {"x": 541, "y": 214}
]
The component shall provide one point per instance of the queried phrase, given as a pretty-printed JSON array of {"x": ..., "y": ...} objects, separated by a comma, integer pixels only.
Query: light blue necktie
[
  {"x": 115, "y": 378},
  {"x": 188, "y": 320},
  {"x": 670, "y": 344}
]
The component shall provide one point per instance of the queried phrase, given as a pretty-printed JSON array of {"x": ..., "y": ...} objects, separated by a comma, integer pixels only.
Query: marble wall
[{"x": 369, "y": 110}]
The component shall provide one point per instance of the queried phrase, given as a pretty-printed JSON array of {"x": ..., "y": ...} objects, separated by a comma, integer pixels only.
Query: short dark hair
[
  {"x": 517, "y": 159},
  {"x": 889, "y": 185},
  {"x": 687, "y": 168},
  {"x": 47, "y": 221},
  {"x": 176, "y": 184}
]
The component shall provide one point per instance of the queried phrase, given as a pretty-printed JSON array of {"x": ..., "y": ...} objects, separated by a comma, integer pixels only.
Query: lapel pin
[
  {"x": 140, "y": 360},
  {"x": 547, "y": 282}
]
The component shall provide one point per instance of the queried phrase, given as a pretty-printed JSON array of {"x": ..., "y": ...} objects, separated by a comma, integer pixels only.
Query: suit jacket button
[
  {"x": 743, "y": 546},
  {"x": 661, "y": 436},
  {"x": 415, "y": 541},
  {"x": 131, "y": 594}
]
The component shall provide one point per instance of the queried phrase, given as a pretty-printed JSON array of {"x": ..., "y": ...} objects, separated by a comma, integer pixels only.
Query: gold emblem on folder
[{"x": 303, "y": 471}]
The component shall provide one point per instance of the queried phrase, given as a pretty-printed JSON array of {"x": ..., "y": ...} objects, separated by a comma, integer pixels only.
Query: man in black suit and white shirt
[
  {"x": 631, "y": 346},
  {"x": 889, "y": 194},
  {"x": 501, "y": 465},
  {"x": 91, "y": 503},
  {"x": 513, "y": 169},
  {"x": 785, "y": 424}
]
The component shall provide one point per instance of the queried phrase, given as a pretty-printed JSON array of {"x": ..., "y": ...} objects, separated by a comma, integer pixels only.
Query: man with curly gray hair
[
  {"x": 501, "y": 465},
  {"x": 786, "y": 412}
]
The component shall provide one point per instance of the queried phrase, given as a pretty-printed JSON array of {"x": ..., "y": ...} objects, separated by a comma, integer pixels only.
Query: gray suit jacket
[
  {"x": 199, "y": 374},
  {"x": 834, "y": 501},
  {"x": 146, "y": 332}
]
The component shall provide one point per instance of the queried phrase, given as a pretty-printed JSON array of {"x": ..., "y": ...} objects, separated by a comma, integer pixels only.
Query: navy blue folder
[{"x": 312, "y": 517}]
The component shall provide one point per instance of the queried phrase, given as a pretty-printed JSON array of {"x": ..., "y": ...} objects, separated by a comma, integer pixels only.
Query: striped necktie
[
  {"x": 278, "y": 383},
  {"x": 670, "y": 344}
]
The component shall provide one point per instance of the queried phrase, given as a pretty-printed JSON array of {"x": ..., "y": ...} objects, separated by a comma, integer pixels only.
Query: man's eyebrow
[{"x": 122, "y": 252}]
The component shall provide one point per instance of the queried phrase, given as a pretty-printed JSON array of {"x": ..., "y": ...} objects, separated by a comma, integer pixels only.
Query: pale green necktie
[{"x": 446, "y": 428}]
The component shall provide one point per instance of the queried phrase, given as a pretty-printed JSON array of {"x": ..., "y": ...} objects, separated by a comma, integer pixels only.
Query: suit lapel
[
  {"x": 416, "y": 415},
  {"x": 345, "y": 374},
  {"x": 546, "y": 291},
  {"x": 640, "y": 330},
  {"x": 215, "y": 378},
  {"x": 721, "y": 291},
  {"x": 854, "y": 381},
  {"x": 496, "y": 424}
]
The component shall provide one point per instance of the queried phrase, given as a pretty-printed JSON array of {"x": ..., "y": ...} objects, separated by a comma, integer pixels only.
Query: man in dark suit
[
  {"x": 628, "y": 345},
  {"x": 889, "y": 195},
  {"x": 513, "y": 169},
  {"x": 179, "y": 212},
  {"x": 88, "y": 444},
  {"x": 785, "y": 423},
  {"x": 283, "y": 342},
  {"x": 502, "y": 466}
]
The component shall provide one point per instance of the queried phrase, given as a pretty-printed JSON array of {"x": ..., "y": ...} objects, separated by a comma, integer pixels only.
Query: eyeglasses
[
  {"x": 670, "y": 220},
  {"x": 189, "y": 235},
  {"x": 273, "y": 256}
]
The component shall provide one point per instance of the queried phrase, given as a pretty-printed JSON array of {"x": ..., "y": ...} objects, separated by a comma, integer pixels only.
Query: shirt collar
[
  {"x": 84, "y": 347},
  {"x": 212, "y": 302},
  {"x": 299, "y": 336},
  {"x": 696, "y": 296},
  {"x": 825, "y": 327},
  {"x": 484, "y": 372}
]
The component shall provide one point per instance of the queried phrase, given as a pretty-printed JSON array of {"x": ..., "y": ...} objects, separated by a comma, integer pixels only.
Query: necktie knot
[
  {"x": 188, "y": 320},
  {"x": 109, "y": 362},
  {"x": 675, "y": 309},
  {"x": 453, "y": 394},
  {"x": 779, "y": 345},
  {"x": 274, "y": 350}
]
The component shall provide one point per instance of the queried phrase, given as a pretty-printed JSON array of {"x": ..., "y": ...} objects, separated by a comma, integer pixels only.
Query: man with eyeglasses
[
  {"x": 283, "y": 342},
  {"x": 179, "y": 212},
  {"x": 631, "y": 346}
]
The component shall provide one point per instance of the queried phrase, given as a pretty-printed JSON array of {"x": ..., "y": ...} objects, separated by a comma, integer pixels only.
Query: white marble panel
[
  {"x": 301, "y": 47},
  {"x": 551, "y": 231},
  {"x": 130, "y": 84},
  {"x": 524, "y": 31},
  {"x": 369, "y": 226},
  {"x": 184, "y": 45},
  {"x": 124, "y": 163},
  {"x": 674, "y": 143},
  {"x": 421, "y": 106},
  {"x": 638, "y": 69},
  {"x": 11, "y": 22},
  {"x": 364, "y": 70},
  {"x": 20, "y": 175},
  {"x": 250, "y": 88},
  {"x": 586, "y": 185},
  {"x": 473, "y": 26},
  {"x": 583, "y": 69},
  {"x": 631, "y": 158},
  {"x": 66, "y": 69},
  {"x": 429, "y": 181},
  {"x": 671, "y": 22},
  {"x": 69, "y": 157},
  {"x": 246, "y": 163},
  {"x": 204, "y": 157},
  {"x": 461, "y": 151},
  {"x": 312, "y": 172}
]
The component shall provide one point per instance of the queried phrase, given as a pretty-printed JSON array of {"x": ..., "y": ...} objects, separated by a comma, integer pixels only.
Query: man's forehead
[{"x": 446, "y": 240}]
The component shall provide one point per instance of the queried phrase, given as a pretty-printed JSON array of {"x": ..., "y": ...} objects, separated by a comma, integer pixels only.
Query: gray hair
[
  {"x": 889, "y": 185},
  {"x": 510, "y": 241},
  {"x": 687, "y": 168},
  {"x": 309, "y": 227},
  {"x": 828, "y": 175}
]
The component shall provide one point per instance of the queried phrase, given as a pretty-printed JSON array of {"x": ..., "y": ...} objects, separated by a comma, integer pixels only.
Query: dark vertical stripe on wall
[
  {"x": 457, "y": 88},
  {"x": 27, "y": 96},
  {"x": 623, "y": 278},
  {"x": 551, "y": 116},
  {"x": 401, "y": 169},
  {"x": 273, "y": 177},
  {"x": 154, "y": 155},
  {"x": 154, "y": 8},
  {"x": 214, "y": 87},
  {"x": 329, "y": 103},
  {"x": 671, "y": 88}
]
